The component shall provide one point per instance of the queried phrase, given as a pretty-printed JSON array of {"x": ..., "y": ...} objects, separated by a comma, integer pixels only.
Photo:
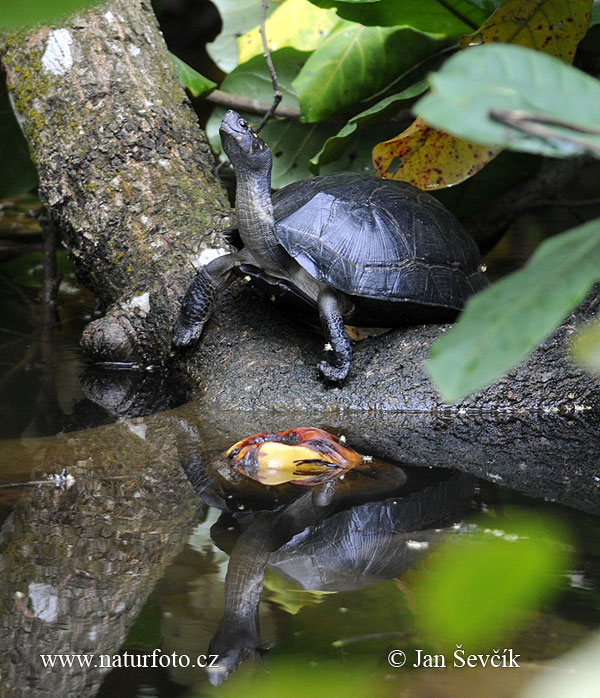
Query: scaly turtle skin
[{"x": 362, "y": 250}]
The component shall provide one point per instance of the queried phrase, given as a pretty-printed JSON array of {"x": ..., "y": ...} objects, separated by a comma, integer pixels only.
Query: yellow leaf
[
  {"x": 428, "y": 158},
  {"x": 432, "y": 159},
  {"x": 552, "y": 26},
  {"x": 295, "y": 23}
]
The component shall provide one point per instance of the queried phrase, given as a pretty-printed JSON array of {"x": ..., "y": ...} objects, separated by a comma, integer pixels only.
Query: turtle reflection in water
[
  {"x": 356, "y": 537},
  {"x": 302, "y": 456},
  {"x": 361, "y": 250}
]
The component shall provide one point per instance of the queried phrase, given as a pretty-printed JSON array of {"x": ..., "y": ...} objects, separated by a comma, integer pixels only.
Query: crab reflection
[{"x": 372, "y": 526}]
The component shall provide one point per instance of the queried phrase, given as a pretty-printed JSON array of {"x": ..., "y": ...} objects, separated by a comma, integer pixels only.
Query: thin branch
[
  {"x": 539, "y": 126},
  {"x": 277, "y": 96},
  {"x": 256, "y": 106},
  {"x": 515, "y": 117}
]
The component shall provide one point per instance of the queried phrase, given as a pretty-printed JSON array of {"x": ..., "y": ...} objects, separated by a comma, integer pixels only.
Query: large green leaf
[
  {"x": 291, "y": 142},
  {"x": 196, "y": 83},
  {"x": 238, "y": 17},
  {"x": 335, "y": 147},
  {"x": 298, "y": 677},
  {"x": 17, "y": 171},
  {"x": 503, "y": 324},
  {"x": 449, "y": 17},
  {"x": 355, "y": 62},
  {"x": 474, "y": 590},
  {"x": 511, "y": 78},
  {"x": 19, "y": 13}
]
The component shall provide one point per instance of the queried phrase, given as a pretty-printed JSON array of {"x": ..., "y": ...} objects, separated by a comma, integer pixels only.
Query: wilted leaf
[
  {"x": 17, "y": 172},
  {"x": 513, "y": 78},
  {"x": 428, "y": 158},
  {"x": 335, "y": 146},
  {"x": 503, "y": 324},
  {"x": 448, "y": 17},
  {"x": 586, "y": 348},
  {"x": 295, "y": 23},
  {"x": 15, "y": 14},
  {"x": 290, "y": 141},
  {"x": 355, "y": 62},
  {"x": 473, "y": 591},
  {"x": 196, "y": 83},
  {"x": 552, "y": 26},
  {"x": 238, "y": 17}
]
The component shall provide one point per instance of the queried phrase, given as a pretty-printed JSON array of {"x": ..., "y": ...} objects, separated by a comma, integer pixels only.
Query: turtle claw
[{"x": 334, "y": 374}]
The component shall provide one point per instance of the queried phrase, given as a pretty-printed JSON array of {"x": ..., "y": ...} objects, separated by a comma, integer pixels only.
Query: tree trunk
[{"x": 124, "y": 169}]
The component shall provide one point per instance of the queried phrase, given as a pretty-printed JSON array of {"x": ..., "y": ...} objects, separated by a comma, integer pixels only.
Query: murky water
[{"x": 119, "y": 566}]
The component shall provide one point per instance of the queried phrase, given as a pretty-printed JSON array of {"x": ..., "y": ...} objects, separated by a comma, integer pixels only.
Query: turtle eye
[{"x": 243, "y": 123}]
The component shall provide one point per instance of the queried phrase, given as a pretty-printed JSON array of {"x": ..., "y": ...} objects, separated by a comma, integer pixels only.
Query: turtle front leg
[
  {"x": 337, "y": 339},
  {"x": 199, "y": 299}
]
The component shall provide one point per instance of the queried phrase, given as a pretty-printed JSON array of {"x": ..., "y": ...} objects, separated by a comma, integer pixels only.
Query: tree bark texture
[
  {"x": 124, "y": 169},
  {"x": 255, "y": 358}
]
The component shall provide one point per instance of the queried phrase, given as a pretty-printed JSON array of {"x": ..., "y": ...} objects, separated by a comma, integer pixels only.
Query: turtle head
[{"x": 245, "y": 148}]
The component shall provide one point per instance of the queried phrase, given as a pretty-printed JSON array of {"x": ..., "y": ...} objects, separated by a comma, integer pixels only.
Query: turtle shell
[{"x": 378, "y": 239}]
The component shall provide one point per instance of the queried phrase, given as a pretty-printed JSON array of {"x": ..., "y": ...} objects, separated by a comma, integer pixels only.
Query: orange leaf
[
  {"x": 428, "y": 158},
  {"x": 432, "y": 159}
]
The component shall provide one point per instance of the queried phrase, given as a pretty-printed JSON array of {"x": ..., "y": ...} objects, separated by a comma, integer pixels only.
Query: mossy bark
[{"x": 124, "y": 168}]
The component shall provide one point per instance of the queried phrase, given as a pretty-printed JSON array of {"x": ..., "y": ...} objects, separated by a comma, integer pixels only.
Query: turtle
[{"x": 359, "y": 249}]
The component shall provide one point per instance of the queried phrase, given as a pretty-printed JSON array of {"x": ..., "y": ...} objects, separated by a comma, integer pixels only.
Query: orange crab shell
[{"x": 302, "y": 456}]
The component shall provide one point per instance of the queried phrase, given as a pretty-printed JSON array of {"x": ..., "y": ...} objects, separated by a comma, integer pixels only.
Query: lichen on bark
[{"x": 124, "y": 169}]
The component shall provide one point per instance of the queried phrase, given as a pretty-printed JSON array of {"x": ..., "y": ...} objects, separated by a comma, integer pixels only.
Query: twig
[
  {"x": 256, "y": 106},
  {"x": 539, "y": 126},
  {"x": 277, "y": 96},
  {"x": 516, "y": 117}
]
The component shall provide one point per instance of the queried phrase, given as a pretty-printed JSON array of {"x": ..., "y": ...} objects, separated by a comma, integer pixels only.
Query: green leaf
[
  {"x": 448, "y": 17},
  {"x": 503, "y": 324},
  {"x": 508, "y": 78},
  {"x": 238, "y": 17},
  {"x": 17, "y": 172},
  {"x": 191, "y": 79},
  {"x": 297, "y": 677},
  {"x": 290, "y": 141},
  {"x": 335, "y": 147},
  {"x": 356, "y": 62},
  {"x": 471, "y": 592},
  {"x": 586, "y": 348},
  {"x": 15, "y": 14}
]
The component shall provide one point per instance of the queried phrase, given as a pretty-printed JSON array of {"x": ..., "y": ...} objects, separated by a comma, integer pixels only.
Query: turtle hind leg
[
  {"x": 198, "y": 301},
  {"x": 337, "y": 339}
]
